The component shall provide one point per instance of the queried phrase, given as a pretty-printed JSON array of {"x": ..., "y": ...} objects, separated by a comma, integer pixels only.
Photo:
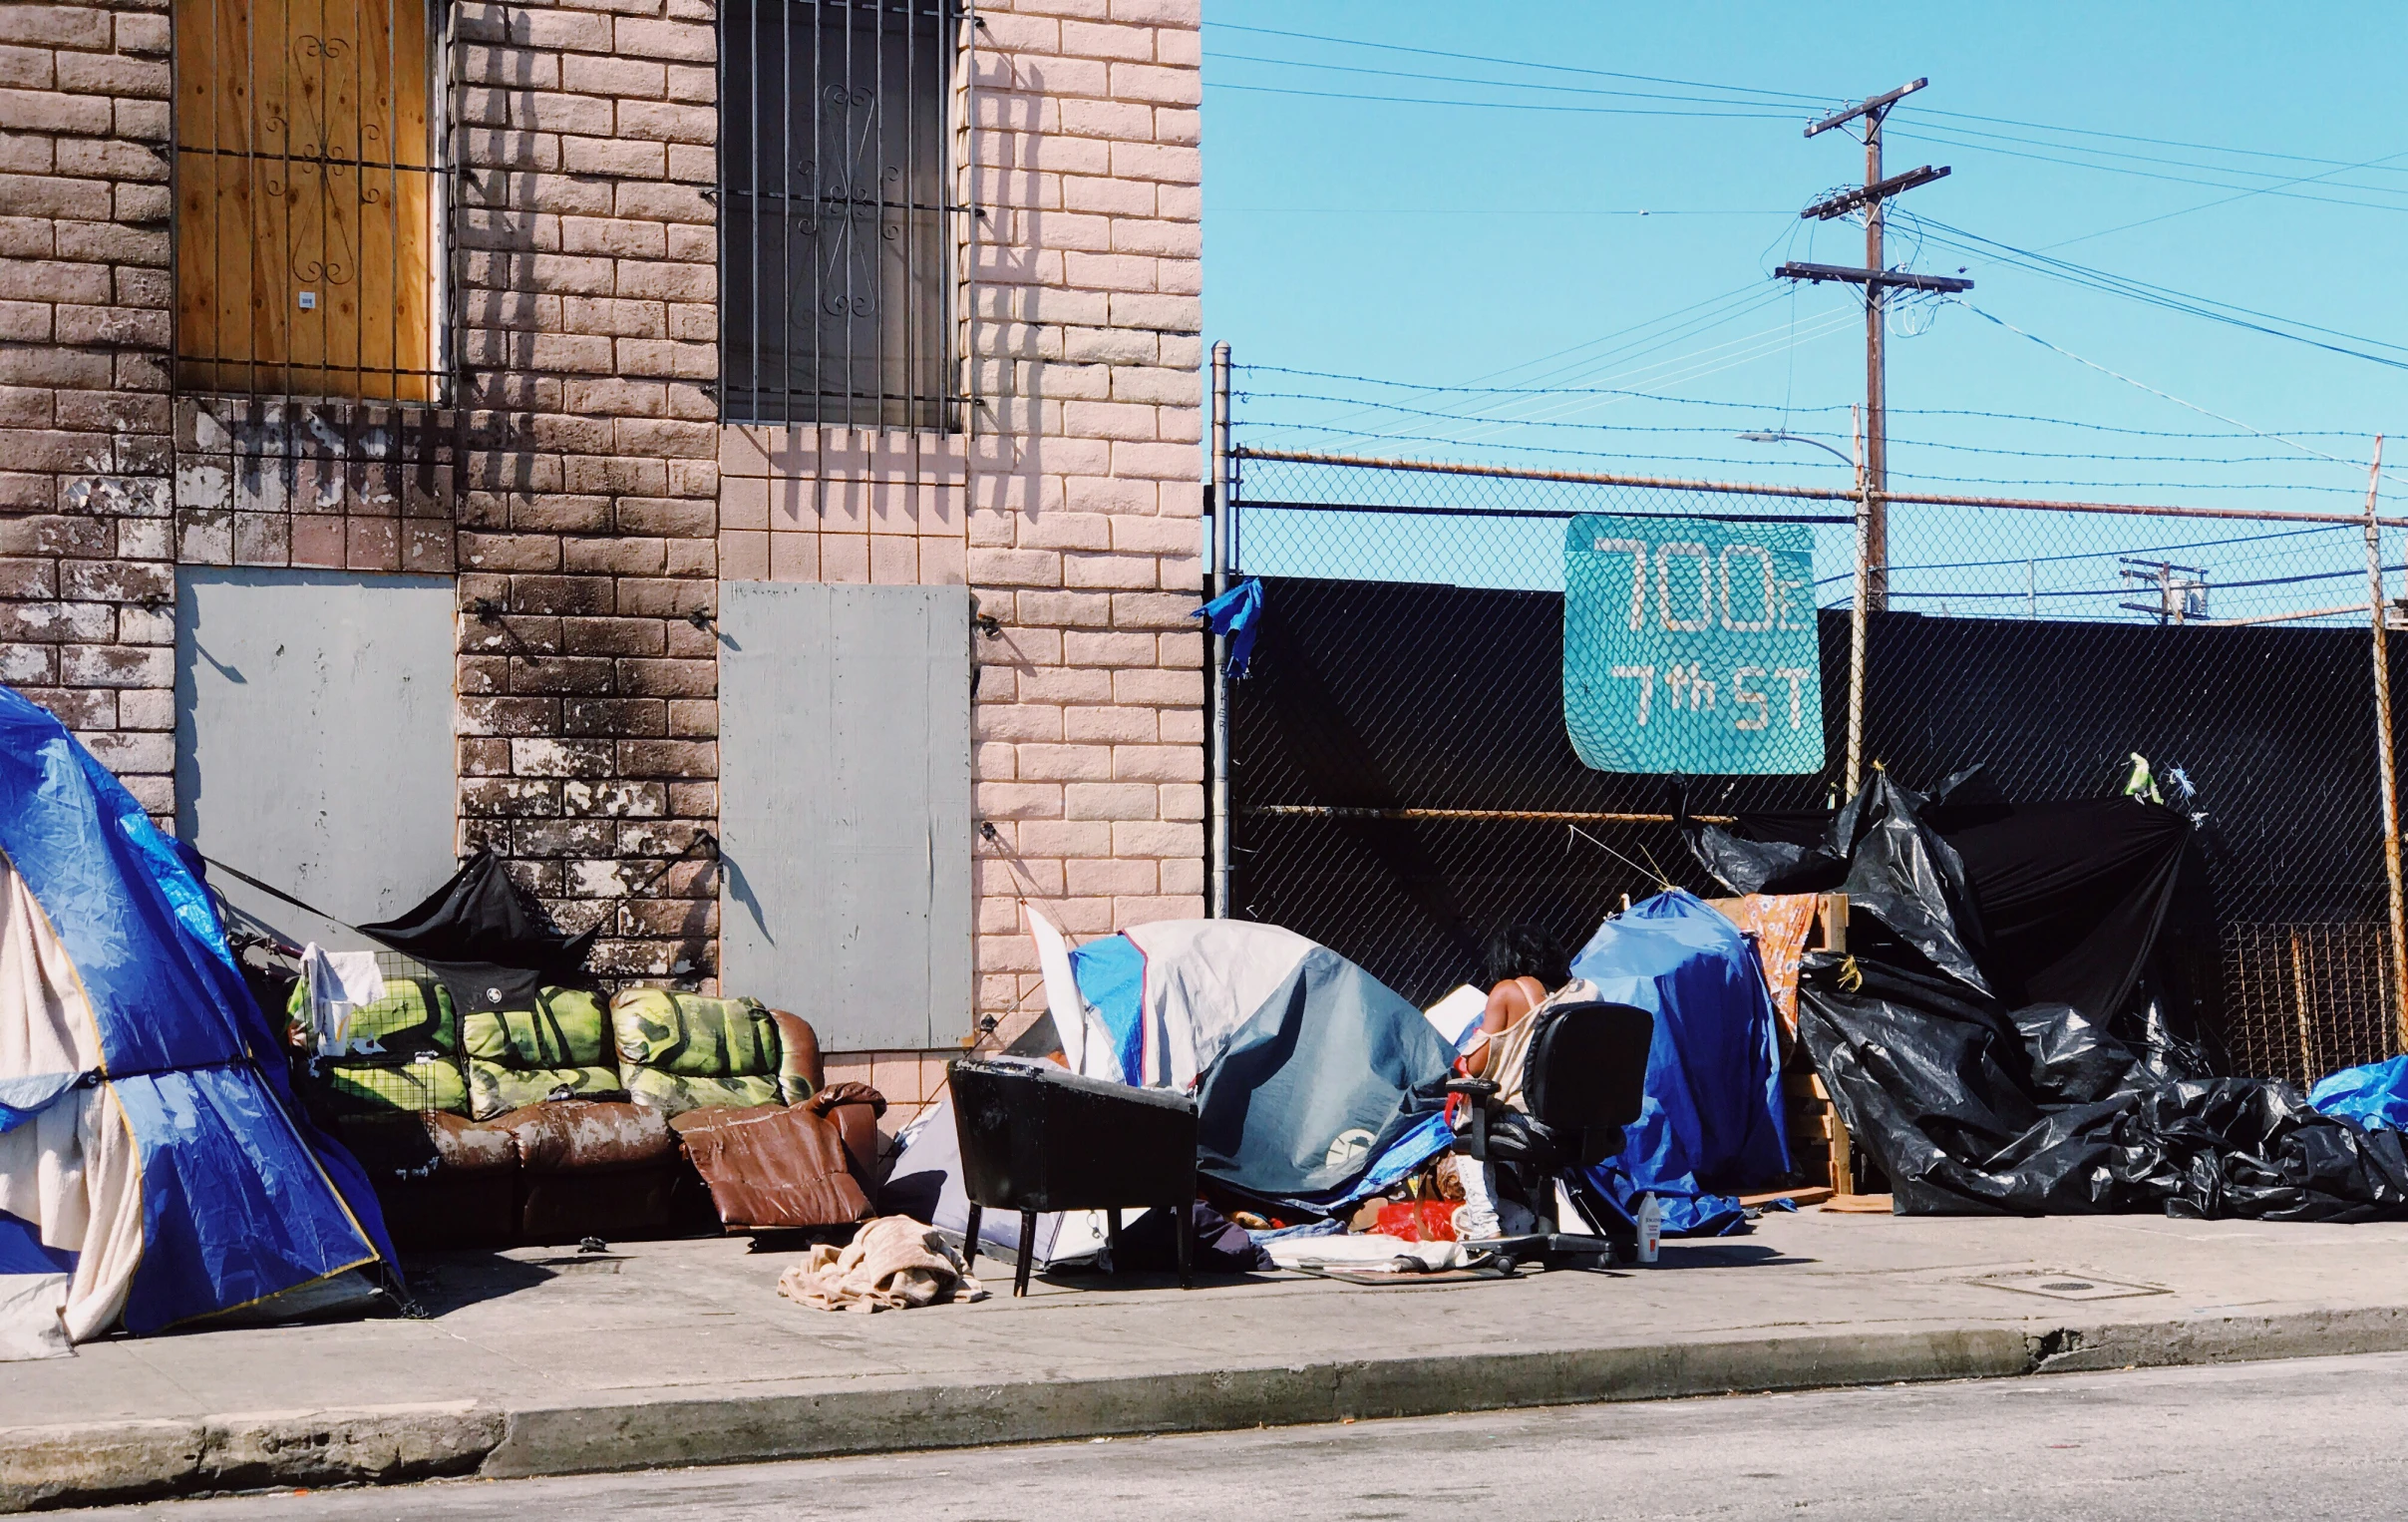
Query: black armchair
[
  {"x": 1586, "y": 1079},
  {"x": 1037, "y": 1138}
]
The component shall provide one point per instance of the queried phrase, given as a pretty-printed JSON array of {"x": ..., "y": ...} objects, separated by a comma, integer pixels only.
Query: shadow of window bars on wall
[
  {"x": 310, "y": 191},
  {"x": 836, "y": 272}
]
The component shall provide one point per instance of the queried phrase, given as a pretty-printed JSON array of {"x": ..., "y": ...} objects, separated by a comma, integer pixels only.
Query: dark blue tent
[{"x": 1713, "y": 1117}]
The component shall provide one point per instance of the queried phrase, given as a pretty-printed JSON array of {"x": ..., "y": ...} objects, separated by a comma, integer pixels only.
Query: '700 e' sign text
[{"x": 1689, "y": 646}]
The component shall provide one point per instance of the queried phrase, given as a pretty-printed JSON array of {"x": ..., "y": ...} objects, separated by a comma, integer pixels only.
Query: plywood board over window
[{"x": 308, "y": 192}]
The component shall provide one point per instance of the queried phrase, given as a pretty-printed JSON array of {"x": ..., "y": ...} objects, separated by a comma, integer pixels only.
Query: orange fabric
[
  {"x": 1781, "y": 924},
  {"x": 1417, "y": 1221}
]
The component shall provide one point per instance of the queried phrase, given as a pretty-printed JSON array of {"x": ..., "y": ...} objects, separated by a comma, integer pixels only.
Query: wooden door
[{"x": 306, "y": 199}]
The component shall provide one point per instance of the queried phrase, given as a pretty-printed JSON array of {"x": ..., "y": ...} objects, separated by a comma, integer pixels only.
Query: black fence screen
[{"x": 1402, "y": 783}]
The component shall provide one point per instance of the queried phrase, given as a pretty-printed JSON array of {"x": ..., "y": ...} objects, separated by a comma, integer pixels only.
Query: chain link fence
[{"x": 1402, "y": 783}]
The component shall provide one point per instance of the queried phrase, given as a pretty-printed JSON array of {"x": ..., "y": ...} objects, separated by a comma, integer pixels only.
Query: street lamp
[
  {"x": 1875, "y": 528},
  {"x": 1797, "y": 438}
]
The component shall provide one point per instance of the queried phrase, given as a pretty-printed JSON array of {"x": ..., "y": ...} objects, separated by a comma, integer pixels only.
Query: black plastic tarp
[
  {"x": 480, "y": 937},
  {"x": 1998, "y": 1038}
]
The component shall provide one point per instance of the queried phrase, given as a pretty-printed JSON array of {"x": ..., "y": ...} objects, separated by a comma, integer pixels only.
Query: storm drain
[{"x": 2058, "y": 1286}]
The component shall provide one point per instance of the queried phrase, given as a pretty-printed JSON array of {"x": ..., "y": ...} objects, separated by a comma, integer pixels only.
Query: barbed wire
[
  {"x": 1759, "y": 462},
  {"x": 1724, "y": 430},
  {"x": 1761, "y": 407}
]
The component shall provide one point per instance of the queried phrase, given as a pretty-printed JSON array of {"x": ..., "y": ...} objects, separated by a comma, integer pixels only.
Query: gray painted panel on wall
[
  {"x": 845, "y": 804},
  {"x": 313, "y": 738}
]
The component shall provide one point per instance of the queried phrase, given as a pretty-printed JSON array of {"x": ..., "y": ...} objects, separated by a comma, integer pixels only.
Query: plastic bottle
[{"x": 1652, "y": 1227}]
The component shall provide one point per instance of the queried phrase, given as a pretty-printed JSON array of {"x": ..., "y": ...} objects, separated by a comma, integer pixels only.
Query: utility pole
[{"x": 1878, "y": 281}]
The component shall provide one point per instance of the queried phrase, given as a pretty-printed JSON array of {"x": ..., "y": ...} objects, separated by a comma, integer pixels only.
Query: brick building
[{"x": 716, "y": 452}]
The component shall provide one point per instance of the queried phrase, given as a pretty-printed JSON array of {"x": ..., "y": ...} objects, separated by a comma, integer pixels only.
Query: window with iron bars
[
  {"x": 311, "y": 198},
  {"x": 837, "y": 277}
]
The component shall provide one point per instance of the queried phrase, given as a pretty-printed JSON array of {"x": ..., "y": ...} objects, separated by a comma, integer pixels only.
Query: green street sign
[{"x": 1689, "y": 646}]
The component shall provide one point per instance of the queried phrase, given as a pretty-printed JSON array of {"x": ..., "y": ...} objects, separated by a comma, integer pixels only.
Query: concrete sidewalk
[{"x": 682, "y": 1352}]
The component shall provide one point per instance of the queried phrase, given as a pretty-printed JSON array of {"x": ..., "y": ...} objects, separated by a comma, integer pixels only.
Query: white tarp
[
  {"x": 1204, "y": 979},
  {"x": 69, "y": 1173}
]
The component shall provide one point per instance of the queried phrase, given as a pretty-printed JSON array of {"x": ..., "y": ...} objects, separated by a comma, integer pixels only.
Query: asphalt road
[{"x": 2309, "y": 1438}]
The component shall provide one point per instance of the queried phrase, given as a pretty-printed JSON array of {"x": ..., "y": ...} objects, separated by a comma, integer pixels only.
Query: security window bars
[
  {"x": 310, "y": 193},
  {"x": 837, "y": 288}
]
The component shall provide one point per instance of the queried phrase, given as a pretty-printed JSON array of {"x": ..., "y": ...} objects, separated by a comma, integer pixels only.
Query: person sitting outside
[{"x": 1525, "y": 969}]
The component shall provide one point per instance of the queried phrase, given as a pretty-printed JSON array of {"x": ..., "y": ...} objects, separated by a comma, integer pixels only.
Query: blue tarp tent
[
  {"x": 155, "y": 1167},
  {"x": 1713, "y": 1113}
]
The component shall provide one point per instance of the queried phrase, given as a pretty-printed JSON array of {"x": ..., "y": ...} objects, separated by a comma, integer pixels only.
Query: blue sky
[{"x": 1457, "y": 244}]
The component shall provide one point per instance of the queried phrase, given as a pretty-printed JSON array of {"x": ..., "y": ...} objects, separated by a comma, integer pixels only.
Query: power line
[
  {"x": 1954, "y": 139},
  {"x": 1464, "y": 79},
  {"x": 1766, "y": 96},
  {"x": 1698, "y": 362},
  {"x": 1694, "y": 401},
  {"x": 2099, "y": 555},
  {"x": 1417, "y": 99},
  {"x": 1713, "y": 310},
  {"x": 1376, "y": 380},
  {"x": 2152, "y": 390},
  {"x": 1971, "y": 137},
  {"x": 2159, "y": 296},
  {"x": 2209, "y": 147},
  {"x": 1757, "y": 96}
]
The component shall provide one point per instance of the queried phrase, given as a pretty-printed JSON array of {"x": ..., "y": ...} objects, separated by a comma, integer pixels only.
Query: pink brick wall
[{"x": 1074, "y": 513}]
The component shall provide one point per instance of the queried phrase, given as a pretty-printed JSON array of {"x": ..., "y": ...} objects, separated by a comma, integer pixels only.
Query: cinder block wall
[
  {"x": 590, "y": 475},
  {"x": 87, "y": 574},
  {"x": 573, "y": 488},
  {"x": 585, "y": 493}
]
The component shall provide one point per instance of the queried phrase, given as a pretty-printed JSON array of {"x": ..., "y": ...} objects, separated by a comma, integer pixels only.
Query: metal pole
[
  {"x": 1221, "y": 644},
  {"x": 2384, "y": 765},
  {"x": 1877, "y": 400},
  {"x": 1859, "y": 613}
]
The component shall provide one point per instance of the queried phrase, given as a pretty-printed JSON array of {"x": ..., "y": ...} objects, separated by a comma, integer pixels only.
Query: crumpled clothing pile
[{"x": 891, "y": 1264}]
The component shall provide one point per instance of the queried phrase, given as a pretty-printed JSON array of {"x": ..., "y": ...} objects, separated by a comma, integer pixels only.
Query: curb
[{"x": 102, "y": 1463}]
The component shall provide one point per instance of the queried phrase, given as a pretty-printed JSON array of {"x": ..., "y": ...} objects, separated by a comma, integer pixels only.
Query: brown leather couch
[{"x": 567, "y": 1169}]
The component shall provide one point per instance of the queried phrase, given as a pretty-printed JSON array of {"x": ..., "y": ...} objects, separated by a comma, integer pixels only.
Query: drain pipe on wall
[{"x": 1221, "y": 510}]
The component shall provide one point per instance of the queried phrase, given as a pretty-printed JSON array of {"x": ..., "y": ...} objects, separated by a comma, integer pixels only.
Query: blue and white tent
[
  {"x": 1315, "y": 1085},
  {"x": 155, "y": 1167}
]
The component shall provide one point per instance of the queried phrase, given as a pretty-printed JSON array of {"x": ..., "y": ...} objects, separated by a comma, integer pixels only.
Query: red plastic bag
[{"x": 1417, "y": 1220}]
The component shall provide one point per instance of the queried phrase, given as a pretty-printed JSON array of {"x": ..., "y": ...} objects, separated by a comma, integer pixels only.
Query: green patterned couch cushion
[
  {"x": 555, "y": 1050},
  {"x": 686, "y": 1052},
  {"x": 429, "y": 1083},
  {"x": 419, "y": 1067},
  {"x": 676, "y": 1093}
]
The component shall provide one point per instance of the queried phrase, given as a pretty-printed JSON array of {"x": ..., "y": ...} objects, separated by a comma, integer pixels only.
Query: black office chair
[
  {"x": 1586, "y": 1079},
  {"x": 1035, "y": 1137}
]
